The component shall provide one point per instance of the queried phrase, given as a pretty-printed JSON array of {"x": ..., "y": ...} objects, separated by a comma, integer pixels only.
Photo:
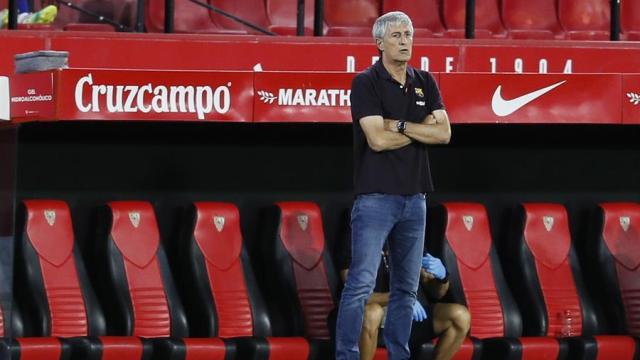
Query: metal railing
[{"x": 318, "y": 20}]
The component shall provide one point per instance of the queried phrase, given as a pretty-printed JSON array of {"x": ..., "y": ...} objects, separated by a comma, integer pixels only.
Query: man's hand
[
  {"x": 434, "y": 266},
  {"x": 419, "y": 313}
]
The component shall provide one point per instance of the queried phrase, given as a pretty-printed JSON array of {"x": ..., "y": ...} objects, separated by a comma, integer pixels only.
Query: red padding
[
  {"x": 50, "y": 232},
  {"x": 380, "y": 354},
  {"x": 477, "y": 278},
  {"x": 204, "y": 348},
  {"x": 303, "y": 236},
  {"x": 615, "y": 347},
  {"x": 218, "y": 236},
  {"x": 39, "y": 348},
  {"x": 121, "y": 348},
  {"x": 288, "y": 348},
  {"x": 138, "y": 245},
  {"x": 539, "y": 348},
  {"x": 547, "y": 236}
]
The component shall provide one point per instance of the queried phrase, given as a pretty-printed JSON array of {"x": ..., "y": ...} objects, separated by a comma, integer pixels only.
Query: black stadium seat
[
  {"x": 460, "y": 235},
  {"x": 220, "y": 290},
  {"x": 142, "y": 299},
  {"x": 549, "y": 285},
  {"x": 614, "y": 257}
]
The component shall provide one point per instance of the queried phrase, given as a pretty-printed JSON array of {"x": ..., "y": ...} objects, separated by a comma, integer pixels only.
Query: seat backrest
[
  {"x": 459, "y": 234},
  {"x": 250, "y": 10},
  {"x": 142, "y": 297},
  {"x": 188, "y": 17},
  {"x": 630, "y": 16},
  {"x": 614, "y": 251},
  {"x": 584, "y": 15},
  {"x": 424, "y": 14},
  {"x": 546, "y": 278},
  {"x": 529, "y": 15},
  {"x": 52, "y": 284},
  {"x": 351, "y": 13},
  {"x": 487, "y": 15},
  {"x": 283, "y": 14},
  {"x": 221, "y": 292},
  {"x": 305, "y": 281}
]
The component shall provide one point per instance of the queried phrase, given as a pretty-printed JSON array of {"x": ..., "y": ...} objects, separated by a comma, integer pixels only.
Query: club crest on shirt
[
  {"x": 548, "y": 222},
  {"x": 419, "y": 92},
  {"x": 218, "y": 221},
  {"x": 303, "y": 221},
  {"x": 134, "y": 217},
  {"x": 468, "y": 222},
  {"x": 625, "y": 221},
  {"x": 50, "y": 216}
]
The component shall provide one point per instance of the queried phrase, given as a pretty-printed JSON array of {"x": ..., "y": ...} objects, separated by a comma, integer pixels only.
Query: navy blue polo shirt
[{"x": 404, "y": 171}]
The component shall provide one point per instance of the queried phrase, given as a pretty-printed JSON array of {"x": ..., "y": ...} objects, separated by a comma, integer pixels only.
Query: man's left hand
[{"x": 433, "y": 265}]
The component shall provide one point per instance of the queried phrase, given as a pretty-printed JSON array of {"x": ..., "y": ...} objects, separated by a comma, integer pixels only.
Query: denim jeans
[{"x": 374, "y": 218}]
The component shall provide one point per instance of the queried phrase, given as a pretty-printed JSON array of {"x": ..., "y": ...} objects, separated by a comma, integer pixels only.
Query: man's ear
[{"x": 379, "y": 44}]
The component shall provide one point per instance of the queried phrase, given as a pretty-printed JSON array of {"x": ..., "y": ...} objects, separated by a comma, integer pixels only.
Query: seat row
[
  {"x": 216, "y": 308},
  {"x": 516, "y": 19}
]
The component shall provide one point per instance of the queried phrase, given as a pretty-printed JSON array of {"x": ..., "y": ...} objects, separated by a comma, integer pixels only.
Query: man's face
[{"x": 397, "y": 43}]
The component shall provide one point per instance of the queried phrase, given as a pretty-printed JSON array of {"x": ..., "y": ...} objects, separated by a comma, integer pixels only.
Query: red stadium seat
[
  {"x": 550, "y": 288},
  {"x": 461, "y": 237},
  {"x": 89, "y": 27},
  {"x": 488, "y": 24},
  {"x": 351, "y": 17},
  {"x": 630, "y": 20},
  {"x": 252, "y": 11},
  {"x": 425, "y": 16},
  {"x": 188, "y": 18},
  {"x": 221, "y": 292},
  {"x": 614, "y": 256},
  {"x": 137, "y": 280},
  {"x": 282, "y": 15},
  {"x": 525, "y": 19},
  {"x": 585, "y": 19}
]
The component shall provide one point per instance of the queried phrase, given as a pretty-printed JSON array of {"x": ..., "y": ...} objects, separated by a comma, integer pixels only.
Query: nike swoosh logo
[{"x": 502, "y": 107}]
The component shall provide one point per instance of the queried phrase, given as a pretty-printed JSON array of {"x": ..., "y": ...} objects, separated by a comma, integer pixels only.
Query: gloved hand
[
  {"x": 434, "y": 265},
  {"x": 419, "y": 313}
]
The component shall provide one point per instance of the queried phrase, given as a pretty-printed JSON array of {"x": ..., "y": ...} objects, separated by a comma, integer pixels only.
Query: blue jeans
[{"x": 374, "y": 218}]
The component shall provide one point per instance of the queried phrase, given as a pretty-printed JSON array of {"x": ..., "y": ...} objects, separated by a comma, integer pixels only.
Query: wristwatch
[{"x": 401, "y": 125}]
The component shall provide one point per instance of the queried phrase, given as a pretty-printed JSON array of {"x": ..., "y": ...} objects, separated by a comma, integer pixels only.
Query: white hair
[{"x": 391, "y": 18}]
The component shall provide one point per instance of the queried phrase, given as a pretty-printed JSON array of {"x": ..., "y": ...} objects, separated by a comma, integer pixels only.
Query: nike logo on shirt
[{"x": 502, "y": 107}]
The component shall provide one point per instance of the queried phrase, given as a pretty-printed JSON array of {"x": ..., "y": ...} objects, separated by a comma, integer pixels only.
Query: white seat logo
[
  {"x": 218, "y": 221},
  {"x": 548, "y": 222},
  {"x": 468, "y": 222},
  {"x": 134, "y": 217},
  {"x": 50, "y": 215},
  {"x": 502, "y": 107},
  {"x": 303, "y": 221},
  {"x": 625, "y": 221}
]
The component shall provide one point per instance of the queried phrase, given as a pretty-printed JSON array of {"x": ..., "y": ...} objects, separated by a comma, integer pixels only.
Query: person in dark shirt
[
  {"x": 396, "y": 111},
  {"x": 450, "y": 322}
]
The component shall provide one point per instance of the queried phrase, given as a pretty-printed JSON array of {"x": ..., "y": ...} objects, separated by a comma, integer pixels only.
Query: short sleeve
[
  {"x": 434, "y": 97},
  {"x": 365, "y": 99}
]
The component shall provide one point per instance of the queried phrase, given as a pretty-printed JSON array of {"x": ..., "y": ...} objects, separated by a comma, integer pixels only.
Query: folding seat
[
  {"x": 351, "y": 17},
  {"x": 137, "y": 281},
  {"x": 459, "y": 234},
  {"x": 282, "y": 16},
  {"x": 52, "y": 287},
  {"x": 585, "y": 19},
  {"x": 488, "y": 24},
  {"x": 425, "y": 16},
  {"x": 250, "y": 10},
  {"x": 630, "y": 20},
  {"x": 221, "y": 291},
  {"x": 548, "y": 284},
  {"x": 525, "y": 19},
  {"x": 188, "y": 18},
  {"x": 613, "y": 253}
]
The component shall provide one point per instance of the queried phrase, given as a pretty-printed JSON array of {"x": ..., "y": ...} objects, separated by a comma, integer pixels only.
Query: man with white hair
[{"x": 397, "y": 111}]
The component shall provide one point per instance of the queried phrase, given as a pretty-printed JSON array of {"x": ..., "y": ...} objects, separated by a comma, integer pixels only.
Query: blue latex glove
[
  {"x": 419, "y": 313},
  {"x": 434, "y": 265}
]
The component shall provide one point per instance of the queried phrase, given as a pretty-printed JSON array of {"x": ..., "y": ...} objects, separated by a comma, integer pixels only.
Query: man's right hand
[{"x": 419, "y": 313}]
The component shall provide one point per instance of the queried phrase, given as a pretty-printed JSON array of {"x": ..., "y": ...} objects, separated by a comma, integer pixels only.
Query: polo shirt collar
[{"x": 383, "y": 73}]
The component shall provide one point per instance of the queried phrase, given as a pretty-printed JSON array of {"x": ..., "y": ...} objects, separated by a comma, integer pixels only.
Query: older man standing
[{"x": 397, "y": 111}]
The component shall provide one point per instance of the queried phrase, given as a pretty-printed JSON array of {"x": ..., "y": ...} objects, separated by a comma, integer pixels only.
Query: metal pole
[
  {"x": 615, "y": 20},
  {"x": 318, "y": 18},
  {"x": 169, "y": 7},
  {"x": 13, "y": 14},
  {"x": 300, "y": 24},
  {"x": 140, "y": 16},
  {"x": 470, "y": 20}
]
